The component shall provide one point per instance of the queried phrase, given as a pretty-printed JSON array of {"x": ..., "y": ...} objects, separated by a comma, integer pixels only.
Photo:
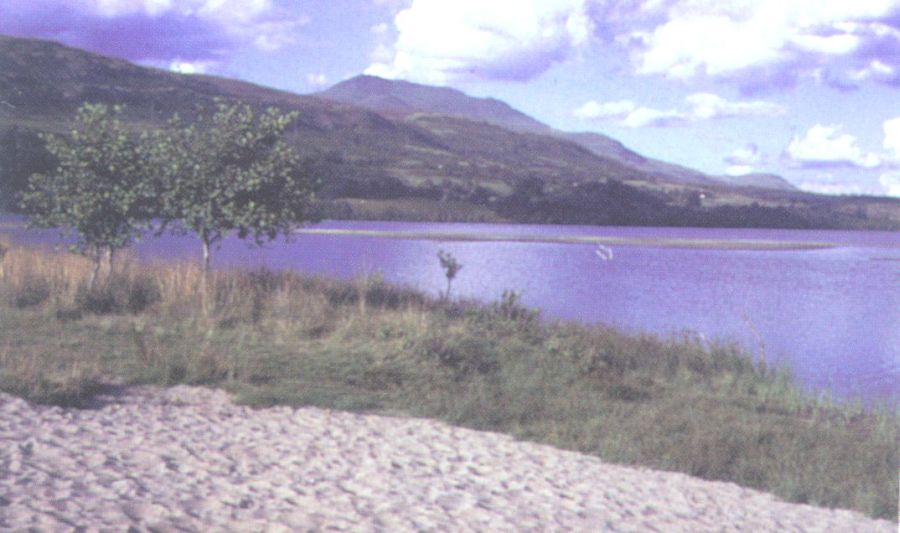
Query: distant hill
[
  {"x": 412, "y": 159},
  {"x": 397, "y": 97},
  {"x": 662, "y": 171},
  {"x": 403, "y": 98}
]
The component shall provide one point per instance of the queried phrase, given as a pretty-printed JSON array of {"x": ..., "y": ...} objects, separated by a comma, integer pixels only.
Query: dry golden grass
[{"x": 61, "y": 273}]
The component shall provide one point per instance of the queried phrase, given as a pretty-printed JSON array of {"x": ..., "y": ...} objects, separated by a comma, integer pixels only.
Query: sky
[{"x": 806, "y": 89}]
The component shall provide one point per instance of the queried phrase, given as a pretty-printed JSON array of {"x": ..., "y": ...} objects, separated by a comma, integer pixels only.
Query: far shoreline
[
  {"x": 656, "y": 242},
  {"x": 452, "y": 236}
]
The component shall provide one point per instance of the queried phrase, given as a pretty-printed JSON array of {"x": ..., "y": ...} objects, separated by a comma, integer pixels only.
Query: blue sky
[{"x": 808, "y": 89}]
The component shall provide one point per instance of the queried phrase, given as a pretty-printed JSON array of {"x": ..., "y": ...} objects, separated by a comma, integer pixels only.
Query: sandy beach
[{"x": 188, "y": 459}]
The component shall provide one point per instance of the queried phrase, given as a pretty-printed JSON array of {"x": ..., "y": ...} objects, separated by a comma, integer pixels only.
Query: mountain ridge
[{"x": 402, "y": 98}]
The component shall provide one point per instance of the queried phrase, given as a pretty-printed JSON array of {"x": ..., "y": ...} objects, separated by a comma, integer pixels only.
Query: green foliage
[
  {"x": 510, "y": 307},
  {"x": 117, "y": 294},
  {"x": 35, "y": 292},
  {"x": 231, "y": 171},
  {"x": 99, "y": 189}
]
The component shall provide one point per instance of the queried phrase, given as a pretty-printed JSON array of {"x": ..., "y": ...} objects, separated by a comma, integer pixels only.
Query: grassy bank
[{"x": 284, "y": 338}]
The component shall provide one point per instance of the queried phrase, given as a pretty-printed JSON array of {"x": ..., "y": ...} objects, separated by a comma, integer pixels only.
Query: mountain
[
  {"x": 403, "y": 98},
  {"x": 397, "y": 97},
  {"x": 43, "y": 83},
  {"x": 405, "y": 163}
]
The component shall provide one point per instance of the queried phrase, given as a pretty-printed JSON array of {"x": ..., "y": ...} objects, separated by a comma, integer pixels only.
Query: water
[{"x": 831, "y": 315}]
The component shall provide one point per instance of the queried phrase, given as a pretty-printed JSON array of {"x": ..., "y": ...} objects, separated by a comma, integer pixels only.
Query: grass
[{"x": 284, "y": 338}]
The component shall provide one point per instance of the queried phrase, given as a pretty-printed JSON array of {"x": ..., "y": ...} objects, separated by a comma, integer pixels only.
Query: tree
[
  {"x": 451, "y": 267},
  {"x": 232, "y": 171},
  {"x": 98, "y": 189}
]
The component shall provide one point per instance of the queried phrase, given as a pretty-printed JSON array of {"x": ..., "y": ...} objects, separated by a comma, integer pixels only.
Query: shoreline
[
  {"x": 653, "y": 242},
  {"x": 646, "y": 242}
]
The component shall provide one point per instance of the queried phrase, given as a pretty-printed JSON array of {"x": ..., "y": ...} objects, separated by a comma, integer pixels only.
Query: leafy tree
[
  {"x": 98, "y": 189},
  {"x": 232, "y": 171}
]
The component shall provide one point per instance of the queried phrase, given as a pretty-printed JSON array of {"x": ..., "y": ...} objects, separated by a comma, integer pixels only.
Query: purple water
[{"x": 831, "y": 315}]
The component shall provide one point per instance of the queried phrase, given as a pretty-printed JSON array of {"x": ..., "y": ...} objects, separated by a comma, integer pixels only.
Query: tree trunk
[
  {"x": 108, "y": 254},
  {"x": 205, "y": 256},
  {"x": 204, "y": 275},
  {"x": 95, "y": 271}
]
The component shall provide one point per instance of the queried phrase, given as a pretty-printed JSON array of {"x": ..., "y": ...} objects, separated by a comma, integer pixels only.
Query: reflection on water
[{"x": 833, "y": 315}]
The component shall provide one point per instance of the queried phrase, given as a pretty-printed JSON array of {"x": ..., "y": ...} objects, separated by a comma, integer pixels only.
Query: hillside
[
  {"x": 402, "y": 98},
  {"x": 406, "y": 165},
  {"x": 405, "y": 98}
]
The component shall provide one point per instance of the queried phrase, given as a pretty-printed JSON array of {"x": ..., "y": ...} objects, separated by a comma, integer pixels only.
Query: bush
[
  {"x": 118, "y": 294},
  {"x": 143, "y": 293},
  {"x": 510, "y": 307},
  {"x": 34, "y": 292},
  {"x": 466, "y": 355}
]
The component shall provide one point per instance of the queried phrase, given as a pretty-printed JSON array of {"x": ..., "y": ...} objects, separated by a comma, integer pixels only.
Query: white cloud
[
  {"x": 748, "y": 154},
  {"x": 191, "y": 67},
  {"x": 382, "y": 52},
  {"x": 892, "y": 137},
  {"x": 270, "y": 36},
  {"x": 825, "y": 146},
  {"x": 628, "y": 114},
  {"x": 875, "y": 70},
  {"x": 743, "y": 160},
  {"x": 233, "y": 10},
  {"x": 739, "y": 170},
  {"x": 711, "y": 43},
  {"x": 594, "y": 109},
  {"x": 708, "y": 105},
  {"x": 392, "y": 4},
  {"x": 259, "y": 22},
  {"x": 438, "y": 41},
  {"x": 890, "y": 182},
  {"x": 778, "y": 39},
  {"x": 317, "y": 79},
  {"x": 645, "y": 116},
  {"x": 700, "y": 106}
]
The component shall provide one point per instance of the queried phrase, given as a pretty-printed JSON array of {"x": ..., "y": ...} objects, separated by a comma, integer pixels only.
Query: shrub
[
  {"x": 118, "y": 294},
  {"x": 464, "y": 354},
  {"x": 510, "y": 307},
  {"x": 142, "y": 294},
  {"x": 34, "y": 292}
]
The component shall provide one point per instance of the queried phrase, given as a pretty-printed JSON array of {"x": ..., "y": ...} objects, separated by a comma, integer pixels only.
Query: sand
[{"x": 188, "y": 459}]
